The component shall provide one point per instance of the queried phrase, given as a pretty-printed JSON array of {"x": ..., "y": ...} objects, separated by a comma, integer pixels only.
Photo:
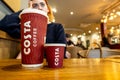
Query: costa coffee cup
[
  {"x": 55, "y": 55},
  {"x": 33, "y": 33}
]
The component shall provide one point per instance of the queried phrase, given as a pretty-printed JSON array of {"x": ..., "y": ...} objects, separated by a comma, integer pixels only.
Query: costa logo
[
  {"x": 27, "y": 37},
  {"x": 57, "y": 52}
]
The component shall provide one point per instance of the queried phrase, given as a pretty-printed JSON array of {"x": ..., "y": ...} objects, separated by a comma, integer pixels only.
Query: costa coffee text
[
  {"x": 57, "y": 52},
  {"x": 28, "y": 36}
]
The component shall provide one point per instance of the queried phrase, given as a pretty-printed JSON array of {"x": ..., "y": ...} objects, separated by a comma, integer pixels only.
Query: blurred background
[{"x": 89, "y": 20}]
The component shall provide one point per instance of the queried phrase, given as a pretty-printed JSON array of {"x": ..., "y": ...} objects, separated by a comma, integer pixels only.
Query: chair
[
  {"x": 73, "y": 50},
  {"x": 87, "y": 52}
]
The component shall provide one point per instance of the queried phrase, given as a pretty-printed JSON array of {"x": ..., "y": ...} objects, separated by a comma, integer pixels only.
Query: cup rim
[
  {"x": 55, "y": 44},
  {"x": 32, "y": 10}
]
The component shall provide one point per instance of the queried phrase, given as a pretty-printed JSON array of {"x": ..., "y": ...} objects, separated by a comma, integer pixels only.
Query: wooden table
[{"x": 74, "y": 69}]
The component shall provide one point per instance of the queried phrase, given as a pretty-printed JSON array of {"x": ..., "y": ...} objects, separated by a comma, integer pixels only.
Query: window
[{"x": 4, "y": 9}]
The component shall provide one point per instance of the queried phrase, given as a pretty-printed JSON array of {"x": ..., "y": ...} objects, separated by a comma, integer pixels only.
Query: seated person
[
  {"x": 80, "y": 44},
  {"x": 55, "y": 31}
]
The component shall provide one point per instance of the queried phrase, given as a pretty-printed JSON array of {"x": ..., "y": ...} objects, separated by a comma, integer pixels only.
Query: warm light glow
[
  {"x": 71, "y": 13},
  {"x": 53, "y": 20},
  {"x": 54, "y": 10},
  {"x": 113, "y": 10},
  {"x": 71, "y": 34},
  {"x": 111, "y": 14},
  {"x": 113, "y": 28},
  {"x": 97, "y": 28},
  {"x": 111, "y": 31},
  {"x": 118, "y": 13},
  {"x": 104, "y": 16},
  {"x": 89, "y": 31},
  {"x": 111, "y": 18},
  {"x": 79, "y": 36},
  {"x": 84, "y": 34},
  {"x": 95, "y": 36},
  {"x": 104, "y": 20},
  {"x": 118, "y": 31},
  {"x": 99, "y": 32},
  {"x": 115, "y": 16},
  {"x": 83, "y": 38}
]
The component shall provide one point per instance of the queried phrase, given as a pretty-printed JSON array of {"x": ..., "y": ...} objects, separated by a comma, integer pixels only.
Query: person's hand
[{"x": 68, "y": 55}]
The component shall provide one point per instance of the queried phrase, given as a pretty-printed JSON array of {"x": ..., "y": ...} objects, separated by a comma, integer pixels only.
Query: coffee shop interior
[
  {"x": 87, "y": 21},
  {"x": 92, "y": 26}
]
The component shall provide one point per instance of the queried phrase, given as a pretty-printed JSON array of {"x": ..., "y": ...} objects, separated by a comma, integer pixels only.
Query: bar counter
[{"x": 73, "y": 69}]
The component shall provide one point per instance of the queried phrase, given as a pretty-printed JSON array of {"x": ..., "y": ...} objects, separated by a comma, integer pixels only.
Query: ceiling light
[
  {"x": 71, "y": 13},
  {"x": 111, "y": 12},
  {"x": 104, "y": 20},
  {"x": 84, "y": 34},
  {"x": 89, "y": 31},
  {"x": 97, "y": 28}
]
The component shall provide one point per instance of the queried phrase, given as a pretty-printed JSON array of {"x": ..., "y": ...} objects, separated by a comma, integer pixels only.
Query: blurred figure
[
  {"x": 80, "y": 44},
  {"x": 106, "y": 41},
  {"x": 69, "y": 42},
  {"x": 87, "y": 43}
]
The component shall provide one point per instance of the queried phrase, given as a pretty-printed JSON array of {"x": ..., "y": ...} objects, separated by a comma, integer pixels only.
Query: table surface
[{"x": 73, "y": 69}]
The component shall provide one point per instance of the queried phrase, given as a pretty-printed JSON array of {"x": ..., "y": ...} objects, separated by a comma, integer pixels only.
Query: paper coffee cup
[
  {"x": 33, "y": 31},
  {"x": 55, "y": 54}
]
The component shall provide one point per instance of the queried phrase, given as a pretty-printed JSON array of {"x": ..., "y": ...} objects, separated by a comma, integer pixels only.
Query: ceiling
[{"x": 87, "y": 13}]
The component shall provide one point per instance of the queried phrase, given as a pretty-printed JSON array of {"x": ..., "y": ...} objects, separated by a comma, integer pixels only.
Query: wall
[
  {"x": 24, "y": 4},
  {"x": 14, "y": 4}
]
